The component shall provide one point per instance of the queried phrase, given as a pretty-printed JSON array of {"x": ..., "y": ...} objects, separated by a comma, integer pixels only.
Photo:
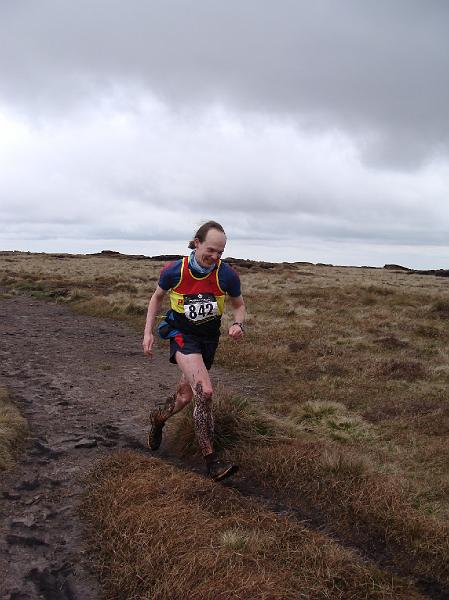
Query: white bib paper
[{"x": 200, "y": 307}]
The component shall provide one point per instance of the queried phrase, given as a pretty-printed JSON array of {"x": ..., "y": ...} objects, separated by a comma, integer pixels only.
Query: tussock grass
[
  {"x": 410, "y": 370},
  {"x": 391, "y": 342},
  {"x": 354, "y": 500},
  {"x": 164, "y": 534},
  {"x": 351, "y": 497},
  {"x": 13, "y": 429},
  {"x": 440, "y": 308},
  {"x": 237, "y": 422},
  {"x": 331, "y": 419}
]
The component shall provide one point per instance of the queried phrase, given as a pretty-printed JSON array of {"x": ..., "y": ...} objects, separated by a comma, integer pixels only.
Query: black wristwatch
[{"x": 240, "y": 325}]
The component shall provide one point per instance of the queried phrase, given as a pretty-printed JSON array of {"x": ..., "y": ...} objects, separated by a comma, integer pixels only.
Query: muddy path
[{"x": 85, "y": 387}]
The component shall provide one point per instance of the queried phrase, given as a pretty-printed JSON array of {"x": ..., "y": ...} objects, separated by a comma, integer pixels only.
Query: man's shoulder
[
  {"x": 172, "y": 265},
  {"x": 170, "y": 274},
  {"x": 228, "y": 270},
  {"x": 229, "y": 279}
]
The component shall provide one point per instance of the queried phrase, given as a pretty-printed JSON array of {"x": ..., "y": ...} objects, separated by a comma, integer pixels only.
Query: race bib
[{"x": 200, "y": 307}]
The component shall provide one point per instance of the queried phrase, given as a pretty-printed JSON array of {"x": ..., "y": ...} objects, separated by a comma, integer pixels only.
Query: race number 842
[
  {"x": 200, "y": 308},
  {"x": 200, "y": 311}
]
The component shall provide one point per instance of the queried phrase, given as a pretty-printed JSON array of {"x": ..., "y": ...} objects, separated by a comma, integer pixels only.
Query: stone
[{"x": 86, "y": 443}]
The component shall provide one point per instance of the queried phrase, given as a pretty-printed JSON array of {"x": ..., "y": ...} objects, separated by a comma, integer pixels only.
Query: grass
[
  {"x": 336, "y": 485},
  {"x": 237, "y": 422},
  {"x": 13, "y": 429},
  {"x": 161, "y": 533},
  {"x": 331, "y": 419}
]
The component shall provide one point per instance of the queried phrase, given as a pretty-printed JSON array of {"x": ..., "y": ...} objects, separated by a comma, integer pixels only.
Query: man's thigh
[{"x": 194, "y": 370}]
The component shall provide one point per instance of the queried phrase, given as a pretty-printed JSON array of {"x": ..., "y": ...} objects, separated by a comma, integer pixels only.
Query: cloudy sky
[{"x": 311, "y": 130}]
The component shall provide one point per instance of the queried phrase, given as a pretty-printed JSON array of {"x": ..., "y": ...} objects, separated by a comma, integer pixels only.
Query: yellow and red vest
[{"x": 200, "y": 299}]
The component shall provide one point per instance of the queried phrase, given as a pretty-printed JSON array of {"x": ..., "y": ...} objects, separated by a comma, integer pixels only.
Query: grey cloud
[
  {"x": 120, "y": 175},
  {"x": 376, "y": 69}
]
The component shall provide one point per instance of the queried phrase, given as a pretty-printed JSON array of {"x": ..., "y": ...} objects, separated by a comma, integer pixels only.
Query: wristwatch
[{"x": 240, "y": 325}]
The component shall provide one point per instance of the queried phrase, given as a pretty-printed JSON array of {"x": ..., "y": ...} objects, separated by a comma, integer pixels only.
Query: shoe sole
[
  {"x": 150, "y": 439},
  {"x": 229, "y": 471}
]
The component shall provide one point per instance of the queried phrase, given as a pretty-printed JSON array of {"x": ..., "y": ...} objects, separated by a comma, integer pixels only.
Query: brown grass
[
  {"x": 161, "y": 533},
  {"x": 103, "y": 287},
  {"x": 359, "y": 504},
  {"x": 341, "y": 487},
  {"x": 13, "y": 429}
]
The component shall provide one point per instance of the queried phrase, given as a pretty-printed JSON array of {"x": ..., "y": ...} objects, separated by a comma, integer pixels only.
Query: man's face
[{"x": 208, "y": 252}]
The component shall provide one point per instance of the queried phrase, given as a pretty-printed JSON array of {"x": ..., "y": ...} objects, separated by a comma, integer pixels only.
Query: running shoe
[
  {"x": 155, "y": 434},
  {"x": 218, "y": 470}
]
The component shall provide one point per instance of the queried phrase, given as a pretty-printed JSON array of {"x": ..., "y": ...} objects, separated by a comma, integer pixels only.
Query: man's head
[{"x": 209, "y": 243}]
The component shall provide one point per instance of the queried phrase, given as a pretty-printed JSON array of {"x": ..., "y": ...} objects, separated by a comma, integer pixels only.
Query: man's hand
[
  {"x": 236, "y": 332},
  {"x": 148, "y": 340}
]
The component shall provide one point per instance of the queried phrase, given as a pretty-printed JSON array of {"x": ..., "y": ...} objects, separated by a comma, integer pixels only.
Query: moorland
[{"x": 342, "y": 442}]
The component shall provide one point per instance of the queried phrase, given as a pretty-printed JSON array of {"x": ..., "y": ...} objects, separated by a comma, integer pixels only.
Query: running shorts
[{"x": 187, "y": 343}]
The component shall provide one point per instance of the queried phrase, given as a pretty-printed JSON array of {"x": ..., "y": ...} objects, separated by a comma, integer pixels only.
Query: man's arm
[
  {"x": 238, "y": 308},
  {"x": 154, "y": 307}
]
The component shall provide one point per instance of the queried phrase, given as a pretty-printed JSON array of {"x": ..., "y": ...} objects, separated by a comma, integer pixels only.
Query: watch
[{"x": 240, "y": 325}]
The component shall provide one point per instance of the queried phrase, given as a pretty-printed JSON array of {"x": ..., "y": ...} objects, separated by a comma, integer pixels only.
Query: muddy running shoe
[
  {"x": 217, "y": 469},
  {"x": 155, "y": 433}
]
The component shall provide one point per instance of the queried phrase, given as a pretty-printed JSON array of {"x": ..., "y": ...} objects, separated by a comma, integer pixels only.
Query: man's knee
[
  {"x": 203, "y": 392},
  {"x": 184, "y": 394}
]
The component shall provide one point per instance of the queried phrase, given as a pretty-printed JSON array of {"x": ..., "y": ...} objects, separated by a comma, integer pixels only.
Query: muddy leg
[
  {"x": 163, "y": 410},
  {"x": 196, "y": 374},
  {"x": 183, "y": 396},
  {"x": 203, "y": 419}
]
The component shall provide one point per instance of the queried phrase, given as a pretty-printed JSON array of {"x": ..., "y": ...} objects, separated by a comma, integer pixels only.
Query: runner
[{"x": 198, "y": 285}]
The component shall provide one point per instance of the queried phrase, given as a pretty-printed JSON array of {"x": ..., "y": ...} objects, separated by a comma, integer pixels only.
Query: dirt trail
[{"x": 85, "y": 386}]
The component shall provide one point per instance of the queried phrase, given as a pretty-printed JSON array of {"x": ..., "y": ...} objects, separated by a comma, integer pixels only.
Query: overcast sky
[{"x": 311, "y": 130}]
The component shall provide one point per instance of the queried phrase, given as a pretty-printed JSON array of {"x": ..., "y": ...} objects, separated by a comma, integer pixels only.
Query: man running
[{"x": 197, "y": 285}]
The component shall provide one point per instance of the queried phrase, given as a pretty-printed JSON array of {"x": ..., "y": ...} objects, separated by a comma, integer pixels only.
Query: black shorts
[{"x": 187, "y": 343}]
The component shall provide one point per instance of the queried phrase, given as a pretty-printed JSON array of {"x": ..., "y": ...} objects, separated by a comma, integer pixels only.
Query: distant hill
[{"x": 243, "y": 263}]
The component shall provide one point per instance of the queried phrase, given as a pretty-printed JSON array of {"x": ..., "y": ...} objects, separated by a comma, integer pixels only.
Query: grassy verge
[
  {"x": 163, "y": 534},
  {"x": 13, "y": 429},
  {"x": 334, "y": 484}
]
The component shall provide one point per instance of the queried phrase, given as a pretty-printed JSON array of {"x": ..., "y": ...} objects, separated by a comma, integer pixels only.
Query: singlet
[{"x": 197, "y": 301}]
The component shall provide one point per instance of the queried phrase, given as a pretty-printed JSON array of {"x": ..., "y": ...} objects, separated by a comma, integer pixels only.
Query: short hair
[{"x": 202, "y": 232}]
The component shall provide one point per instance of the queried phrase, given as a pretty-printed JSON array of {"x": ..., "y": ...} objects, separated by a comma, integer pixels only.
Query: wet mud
[{"x": 86, "y": 388}]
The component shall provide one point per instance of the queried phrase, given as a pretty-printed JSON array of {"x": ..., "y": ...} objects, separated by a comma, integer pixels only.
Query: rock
[
  {"x": 86, "y": 443},
  {"x": 33, "y": 500},
  {"x": 394, "y": 267},
  {"x": 108, "y": 443},
  {"x": 28, "y": 521},
  {"x": 436, "y": 272},
  {"x": 42, "y": 449}
]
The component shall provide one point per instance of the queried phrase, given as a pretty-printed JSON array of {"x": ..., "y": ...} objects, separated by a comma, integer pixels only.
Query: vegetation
[
  {"x": 348, "y": 416},
  {"x": 161, "y": 533},
  {"x": 13, "y": 429}
]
